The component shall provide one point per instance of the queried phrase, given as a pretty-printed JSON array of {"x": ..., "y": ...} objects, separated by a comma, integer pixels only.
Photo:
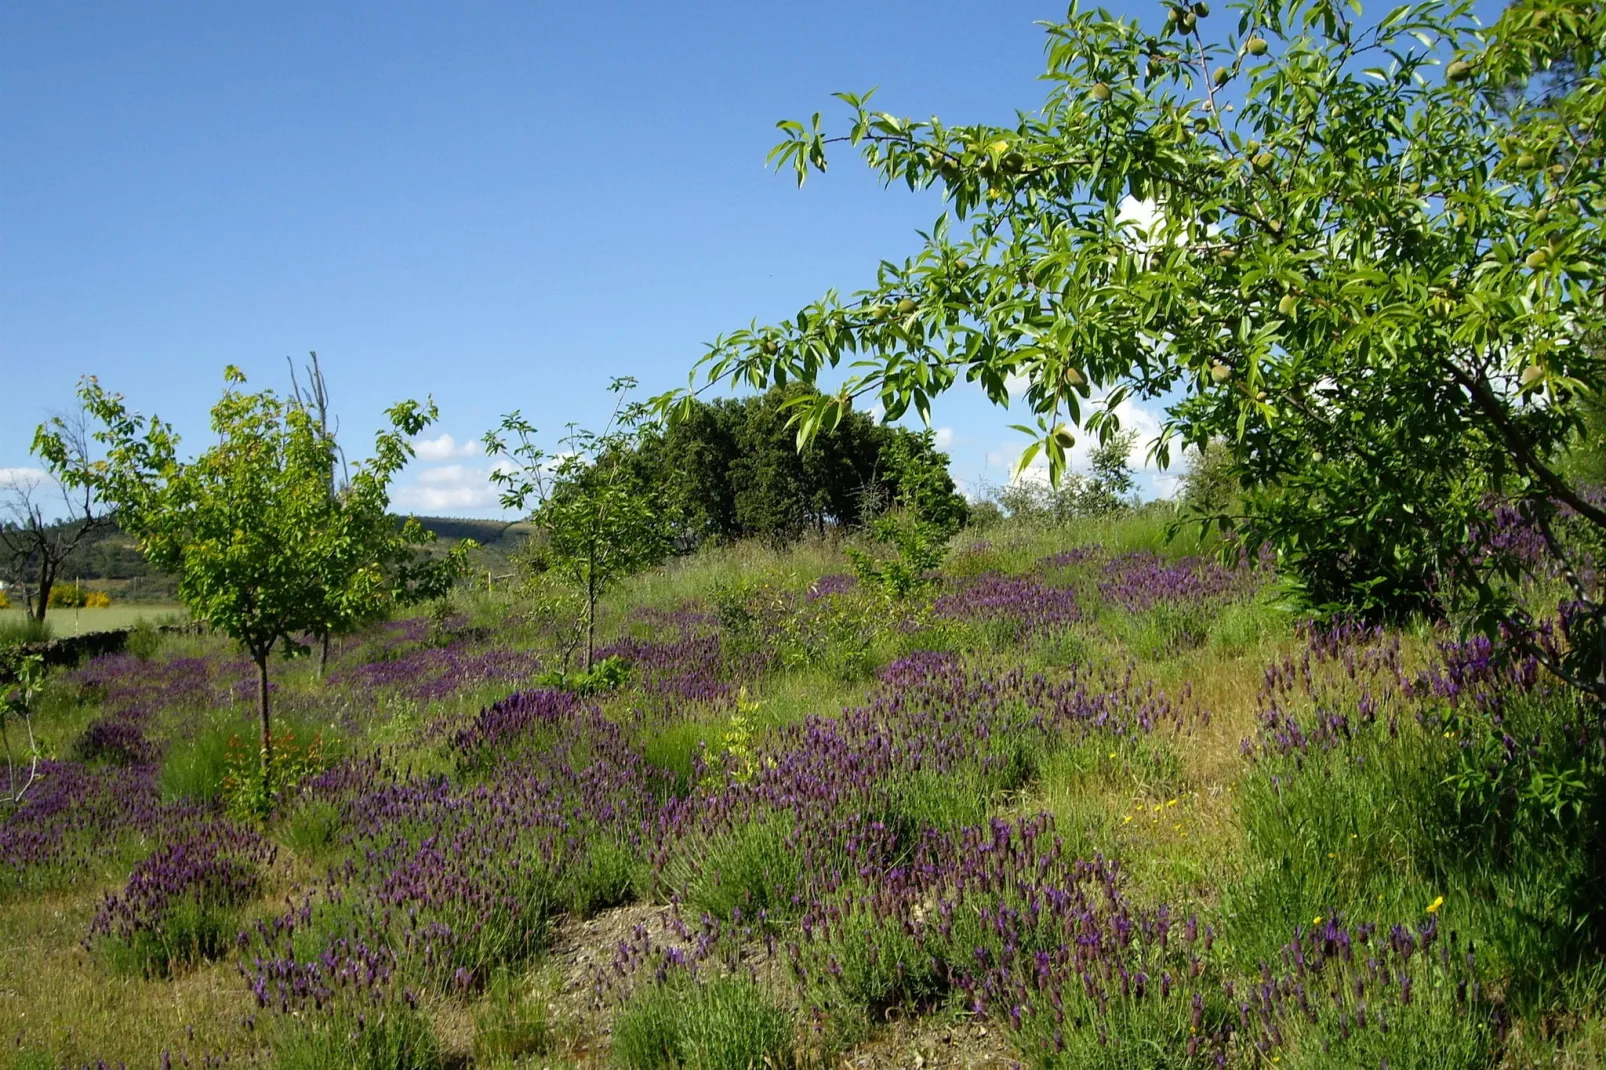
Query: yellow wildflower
[{"x": 1433, "y": 907}]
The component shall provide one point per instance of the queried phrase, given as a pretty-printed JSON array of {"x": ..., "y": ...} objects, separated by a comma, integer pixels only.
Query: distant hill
[
  {"x": 498, "y": 533},
  {"x": 110, "y": 561}
]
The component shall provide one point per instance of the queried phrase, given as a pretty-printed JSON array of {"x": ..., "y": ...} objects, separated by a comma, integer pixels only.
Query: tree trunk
[
  {"x": 323, "y": 656},
  {"x": 47, "y": 580},
  {"x": 267, "y": 724},
  {"x": 591, "y": 618}
]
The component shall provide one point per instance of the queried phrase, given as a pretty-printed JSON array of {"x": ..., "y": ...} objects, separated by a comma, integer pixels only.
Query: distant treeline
[{"x": 731, "y": 470}]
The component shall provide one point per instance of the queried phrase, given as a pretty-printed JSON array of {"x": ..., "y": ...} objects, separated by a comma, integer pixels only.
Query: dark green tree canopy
[{"x": 734, "y": 469}]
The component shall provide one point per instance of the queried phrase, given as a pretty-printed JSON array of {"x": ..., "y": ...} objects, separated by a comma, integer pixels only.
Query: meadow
[
  {"x": 66, "y": 622},
  {"x": 1093, "y": 799}
]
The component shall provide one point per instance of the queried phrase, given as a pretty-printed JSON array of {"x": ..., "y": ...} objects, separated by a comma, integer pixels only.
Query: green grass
[
  {"x": 68, "y": 622},
  {"x": 1370, "y": 830}
]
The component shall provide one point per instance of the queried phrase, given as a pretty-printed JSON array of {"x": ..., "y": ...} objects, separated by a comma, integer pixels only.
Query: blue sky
[{"x": 502, "y": 205}]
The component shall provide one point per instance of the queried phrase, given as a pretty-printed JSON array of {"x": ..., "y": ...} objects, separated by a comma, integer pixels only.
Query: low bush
[
  {"x": 181, "y": 903},
  {"x": 115, "y": 740},
  {"x": 749, "y": 867},
  {"x": 722, "y": 1024},
  {"x": 606, "y": 877},
  {"x": 144, "y": 641}
]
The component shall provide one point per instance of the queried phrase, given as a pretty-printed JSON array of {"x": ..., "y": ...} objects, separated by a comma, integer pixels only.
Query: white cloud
[
  {"x": 1133, "y": 416},
  {"x": 449, "y": 488},
  {"x": 1144, "y": 213},
  {"x": 1167, "y": 486},
  {"x": 944, "y": 438},
  {"x": 444, "y": 448},
  {"x": 22, "y": 477}
]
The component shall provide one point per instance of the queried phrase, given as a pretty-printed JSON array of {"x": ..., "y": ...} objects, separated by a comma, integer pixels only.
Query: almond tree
[
  {"x": 263, "y": 552},
  {"x": 1362, "y": 252},
  {"x": 601, "y": 520}
]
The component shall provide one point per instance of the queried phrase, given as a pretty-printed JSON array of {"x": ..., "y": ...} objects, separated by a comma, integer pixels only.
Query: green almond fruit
[
  {"x": 1538, "y": 258},
  {"x": 1223, "y": 76},
  {"x": 1526, "y": 160},
  {"x": 769, "y": 347},
  {"x": 906, "y": 306},
  {"x": 1264, "y": 161},
  {"x": 1220, "y": 372},
  {"x": 1255, "y": 46},
  {"x": 1100, "y": 91},
  {"x": 1459, "y": 71},
  {"x": 1188, "y": 22},
  {"x": 1201, "y": 9},
  {"x": 1287, "y": 304}
]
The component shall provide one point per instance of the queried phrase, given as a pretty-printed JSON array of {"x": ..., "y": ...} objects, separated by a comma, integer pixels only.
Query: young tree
[
  {"x": 374, "y": 539},
  {"x": 37, "y": 546},
  {"x": 263, "y": 552},
  {"x": 923, "y": 516},
  {"x": 1366, "y": 252},
  {"x": 601, "y": 522},
  {"x": 22, "y": 677}
]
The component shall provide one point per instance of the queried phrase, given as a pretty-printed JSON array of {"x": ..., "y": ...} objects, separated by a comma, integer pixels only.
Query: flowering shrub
[
  {"x": 1383, "y": 781},
  {"x": 1014, "y": 607},
  {"x": 180, "y": 903},
  {"x": 117, "y": 741}
]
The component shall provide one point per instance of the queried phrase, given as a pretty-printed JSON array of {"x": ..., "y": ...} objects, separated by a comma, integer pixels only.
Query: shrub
[
  {"x": 1476, "y": 780},
  {"x": 312, "y": 827},
  {"x": 605, "y": 878},
  {"x": 73, "y": 596},
  {"x": 143, "y": 640},
  {"x": 607, "y": 674},
  {"x": 749, "y": 866},
  {"x": 723, "y": 1024},
  {"x": 115, "y": 740},
  {"x": 245, "y": 794},
  {"x": 677, "y": 751},
  {"x": 180, "y": 905}
]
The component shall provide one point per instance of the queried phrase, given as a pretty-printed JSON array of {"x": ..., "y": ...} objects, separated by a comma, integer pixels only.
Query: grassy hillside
[{"x": 1088, "y": 802}]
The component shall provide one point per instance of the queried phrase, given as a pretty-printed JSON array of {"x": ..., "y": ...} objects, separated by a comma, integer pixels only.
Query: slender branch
[{"x": 1521, "y": 447}]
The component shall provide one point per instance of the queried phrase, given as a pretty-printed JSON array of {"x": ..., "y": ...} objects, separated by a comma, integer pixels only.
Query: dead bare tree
[
  {"x": 315, "y": 401},
  {"x": 37, "y": 536}
]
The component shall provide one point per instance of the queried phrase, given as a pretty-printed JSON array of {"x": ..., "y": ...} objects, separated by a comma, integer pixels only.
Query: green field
[{"x": 65, "y": 622}]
